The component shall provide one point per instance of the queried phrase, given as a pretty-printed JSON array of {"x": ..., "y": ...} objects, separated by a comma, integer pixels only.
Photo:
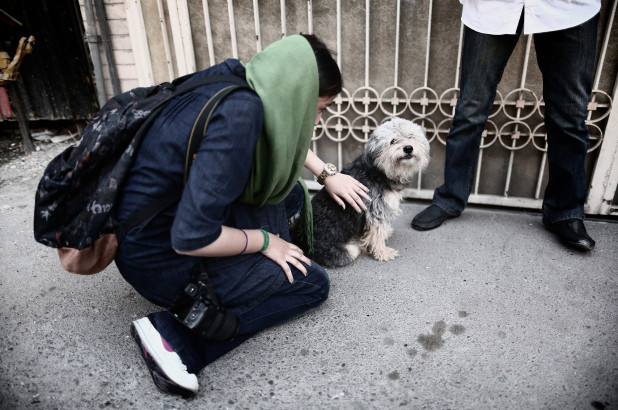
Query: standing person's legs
[
  {"x": 566, "y": 59},
  {"x": 483, "y": 60}
]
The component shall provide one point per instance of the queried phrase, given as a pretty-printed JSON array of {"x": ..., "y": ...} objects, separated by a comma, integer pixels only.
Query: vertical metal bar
[
  {"x": 522, "y": 84},
  {"x": 339, "y": 12},
  {"x": 166, "y": 41},
  {"x": 211, "y": 49},
  {"x": 230, "y": 12},
  {"x": 426, "y": 76},
  {"x": 284, "y": 28},
  {"x": 310, "y": 16},
  {"x": 397, "y": 25},
  {"x": 539, "y": 180},
  {"x": 459, "y": 53},
  {"x": 339, "y": 128},
  {"x": 256, "y": 19},
  {"x": 428, "y": 43},
  {"x": 479, "y": 163},
  {"x": 608, "y": 31},
  {"x": 367, "y": 36}
]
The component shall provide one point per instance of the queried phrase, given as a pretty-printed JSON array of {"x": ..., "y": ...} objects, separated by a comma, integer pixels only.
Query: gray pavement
[{"x": 488, "y": 311}]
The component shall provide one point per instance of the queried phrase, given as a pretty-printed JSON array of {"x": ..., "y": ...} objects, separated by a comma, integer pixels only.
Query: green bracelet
[{"x": 266, "y": 240}]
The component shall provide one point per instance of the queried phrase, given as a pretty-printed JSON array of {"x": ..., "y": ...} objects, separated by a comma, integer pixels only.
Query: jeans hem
[
  {"x": 563, "y": 217},
  {"x": 447, "y": 209}
]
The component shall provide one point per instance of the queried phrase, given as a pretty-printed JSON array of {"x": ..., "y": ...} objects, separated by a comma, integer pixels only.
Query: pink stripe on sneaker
[{"x": 167, "y": 346}]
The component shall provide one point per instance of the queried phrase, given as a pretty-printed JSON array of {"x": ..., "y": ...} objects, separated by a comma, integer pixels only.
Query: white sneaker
[{"x": 168, "y": 372}]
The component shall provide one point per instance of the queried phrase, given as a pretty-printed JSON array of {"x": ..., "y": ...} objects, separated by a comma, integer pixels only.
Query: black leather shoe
[
  {"x": 572, "y": 232},
  {"x": 431, "y": 217}
]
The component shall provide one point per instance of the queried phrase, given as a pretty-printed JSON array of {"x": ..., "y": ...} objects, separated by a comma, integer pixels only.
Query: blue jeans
[
  {"x": 566, "y": 61},
  {"x": 251, "y": 286}
]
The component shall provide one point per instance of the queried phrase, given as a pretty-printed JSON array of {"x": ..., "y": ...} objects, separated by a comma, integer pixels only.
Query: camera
[{"x": 197, "y": 308}]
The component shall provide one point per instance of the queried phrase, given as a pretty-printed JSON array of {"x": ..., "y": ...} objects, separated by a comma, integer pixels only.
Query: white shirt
[{"x": 540, "y": 16}]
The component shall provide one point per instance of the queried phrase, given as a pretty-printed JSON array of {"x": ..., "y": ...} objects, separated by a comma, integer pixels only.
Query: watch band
[{"x": 329, "y": 169}]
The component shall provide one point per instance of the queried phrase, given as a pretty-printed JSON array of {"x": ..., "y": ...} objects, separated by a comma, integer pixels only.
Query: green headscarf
[{"x": 285, "y": 77}]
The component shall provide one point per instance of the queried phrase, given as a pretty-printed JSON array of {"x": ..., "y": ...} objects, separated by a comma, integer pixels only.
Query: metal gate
[{"x": 398, "y": 58}]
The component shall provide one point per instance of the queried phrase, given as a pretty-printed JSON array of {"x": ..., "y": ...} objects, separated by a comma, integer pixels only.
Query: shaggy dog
[{"x": 394, "y": 153}]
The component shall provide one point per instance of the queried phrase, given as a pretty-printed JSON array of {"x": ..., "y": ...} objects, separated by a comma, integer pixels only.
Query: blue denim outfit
[
  {"x": 566, "y": 60},
  {"x": 251, "y": 286}
]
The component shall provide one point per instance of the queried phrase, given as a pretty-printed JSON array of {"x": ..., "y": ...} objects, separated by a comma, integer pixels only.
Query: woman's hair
[{"x": 329, "y": 74}]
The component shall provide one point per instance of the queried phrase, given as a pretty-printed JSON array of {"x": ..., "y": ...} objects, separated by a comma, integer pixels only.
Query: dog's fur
[{"x": 394, "y": 153}]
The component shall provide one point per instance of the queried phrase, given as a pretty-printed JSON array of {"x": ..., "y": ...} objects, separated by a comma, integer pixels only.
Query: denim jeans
[
  {"x": 566, "y": 60},
  {"x": 251, "y": 286}
]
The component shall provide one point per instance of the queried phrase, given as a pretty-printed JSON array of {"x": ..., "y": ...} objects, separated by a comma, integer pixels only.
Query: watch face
[{"x": 330, "y": 169}]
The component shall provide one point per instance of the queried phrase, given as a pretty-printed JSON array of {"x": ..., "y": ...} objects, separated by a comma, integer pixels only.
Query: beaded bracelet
[
  {"x": 246, "y": 242},
  {"x": 266, "y": 240}
]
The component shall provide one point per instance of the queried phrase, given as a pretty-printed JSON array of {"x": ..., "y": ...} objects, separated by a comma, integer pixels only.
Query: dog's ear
[{"x": 372, "y": 149}]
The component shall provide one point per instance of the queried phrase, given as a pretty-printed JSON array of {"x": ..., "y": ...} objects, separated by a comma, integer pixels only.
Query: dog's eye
[{"x": 393, "y": 141}]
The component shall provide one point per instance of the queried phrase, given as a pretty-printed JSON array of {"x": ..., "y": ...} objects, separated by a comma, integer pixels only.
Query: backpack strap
[
  {"x": 182, "y": 86},
  {"x": 200, "y": 125},
  {"x": 147, "y": 213}
]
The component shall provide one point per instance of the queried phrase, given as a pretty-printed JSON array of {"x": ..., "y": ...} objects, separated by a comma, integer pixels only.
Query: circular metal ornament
[
  {"x": 448, "y": 101},
  {"x": 540, "y": 136},
  {"x": 486, "y": 140},
  {"x": 341, "y": 104},
  {"x": 431, "y": 132},
  {"x": 398, "y": 100},
  {"x": 600, "y": 106},
  {"x": 525, "y": 107},
  {"x": 339, "y": 128},
  {"x": 596, "y": 138},
  {"x": 366, "y": 100},
  {"x": 424, "y": 101},
  {"x": 365, "y": 128},
  {"x": 515, "y": 136},
  {"x": 441, "y": 129}
]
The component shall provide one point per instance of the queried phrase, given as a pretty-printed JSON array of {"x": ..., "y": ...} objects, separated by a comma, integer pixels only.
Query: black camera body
[{"x": 197, "y": 308}]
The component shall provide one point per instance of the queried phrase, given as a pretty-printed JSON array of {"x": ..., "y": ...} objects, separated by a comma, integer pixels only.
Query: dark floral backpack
[{"x": 75, "y": 198}]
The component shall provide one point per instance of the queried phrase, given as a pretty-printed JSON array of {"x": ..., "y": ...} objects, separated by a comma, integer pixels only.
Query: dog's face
[{"x": 398, "y": 147}]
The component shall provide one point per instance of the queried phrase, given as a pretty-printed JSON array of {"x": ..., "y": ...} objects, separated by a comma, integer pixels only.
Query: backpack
[{"x": 74, "y": 208}]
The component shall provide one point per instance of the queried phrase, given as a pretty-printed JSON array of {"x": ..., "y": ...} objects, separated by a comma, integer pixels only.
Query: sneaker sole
[{"x": 160, "y": 378}]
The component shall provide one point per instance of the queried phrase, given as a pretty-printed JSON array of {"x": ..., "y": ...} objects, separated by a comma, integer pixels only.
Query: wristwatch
[{"x": 329, "y": 169}]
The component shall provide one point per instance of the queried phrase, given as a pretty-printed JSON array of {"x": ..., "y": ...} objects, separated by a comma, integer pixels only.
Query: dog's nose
[{"x": 408, "y": 149}]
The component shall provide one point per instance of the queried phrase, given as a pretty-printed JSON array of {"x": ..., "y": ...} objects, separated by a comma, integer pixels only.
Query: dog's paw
[{"x": 385, "y": 254}]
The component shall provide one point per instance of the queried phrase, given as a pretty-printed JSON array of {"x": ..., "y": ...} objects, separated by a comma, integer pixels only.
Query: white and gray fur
[{"x": 396, "y": 151}]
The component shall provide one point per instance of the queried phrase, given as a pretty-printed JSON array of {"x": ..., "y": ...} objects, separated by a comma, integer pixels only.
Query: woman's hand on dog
[
  {"x": 343, "y": 187},
  {"x": 286, "y": 254}
]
